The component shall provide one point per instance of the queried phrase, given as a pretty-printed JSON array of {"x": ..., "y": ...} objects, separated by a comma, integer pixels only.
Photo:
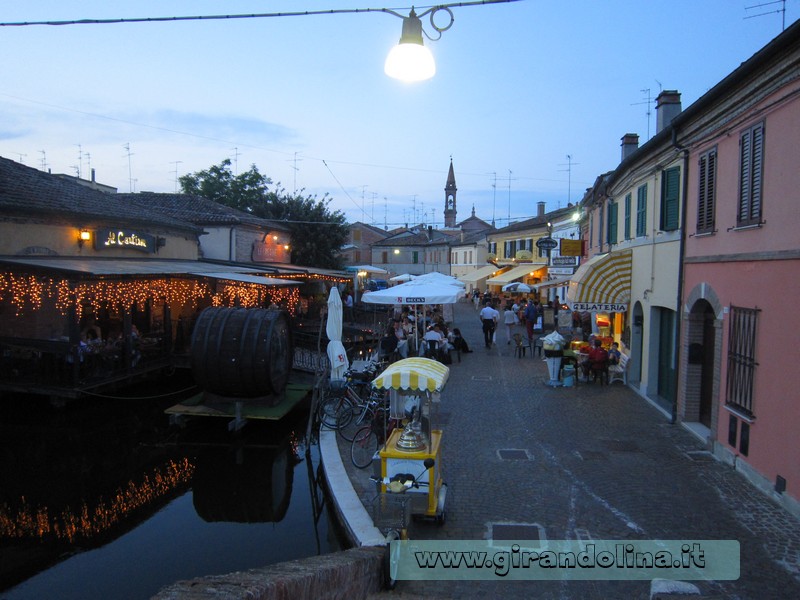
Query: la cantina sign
[{"x": 118, "y": 238}]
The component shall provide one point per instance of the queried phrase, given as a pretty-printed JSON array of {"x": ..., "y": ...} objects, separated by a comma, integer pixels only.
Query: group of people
[
  {"x": 437, "y": 340},
  {"x": 530, "y": 312},
  {"x": 599, "y": 358}
]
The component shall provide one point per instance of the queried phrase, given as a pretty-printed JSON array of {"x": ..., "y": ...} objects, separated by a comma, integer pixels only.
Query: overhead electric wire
[{"x": 304, "y": 13}]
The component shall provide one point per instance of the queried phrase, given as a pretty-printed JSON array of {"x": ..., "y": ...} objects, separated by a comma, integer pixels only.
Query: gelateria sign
[
  {"x": 598, "y": 307},
  {"x": 105, "y": 239}
]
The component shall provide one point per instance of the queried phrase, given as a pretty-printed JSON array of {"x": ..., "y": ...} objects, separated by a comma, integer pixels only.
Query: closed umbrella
[{"x": 333, "y": 327}]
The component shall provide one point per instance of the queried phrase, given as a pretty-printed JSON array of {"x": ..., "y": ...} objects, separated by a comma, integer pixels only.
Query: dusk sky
[{"x": 520, "y": 87}]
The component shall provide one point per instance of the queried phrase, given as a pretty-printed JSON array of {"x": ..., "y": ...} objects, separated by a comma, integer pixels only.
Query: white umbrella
[
  {"x": 402, "y": 278},
  {"x": 415, "y": 292},
  {"x": 517, "y": 287},
  {"x": 437, "y": 277},
  {"x": 333, "y": 327}
]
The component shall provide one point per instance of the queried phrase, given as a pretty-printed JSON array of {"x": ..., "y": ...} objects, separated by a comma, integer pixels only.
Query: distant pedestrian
[
  {"x": 489, "y": 317},
  {"x": 348, "y": 307},
  {"x": 509, "y": 321},
  {"x": 531, "y": 315}
]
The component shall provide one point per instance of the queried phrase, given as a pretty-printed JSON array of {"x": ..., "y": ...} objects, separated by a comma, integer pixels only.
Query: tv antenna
[
  {"x": 175, "y": 172},
  {"x": 131, "y": 180},
  {"x": 80, "y": 160},
  {"x": 569, "y": 164},
  {"x": 295, "y": 168},
  {"x": 21, "y": 156},
  {"x": 781, "y": 10},
  {"x": 509, "y": 195},
  {"x": 649, "y": 103},
  {"x": 236, "y": 155},
  {"x": 44, "y": 160},
  {"x": 494, "y": 195}
]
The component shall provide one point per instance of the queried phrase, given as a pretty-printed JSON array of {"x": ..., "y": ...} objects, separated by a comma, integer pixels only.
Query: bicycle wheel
[
  {"x": 330, "y": 408},
  {"x": 352, "y": 418},
  {"x": 364, "y": 447}
]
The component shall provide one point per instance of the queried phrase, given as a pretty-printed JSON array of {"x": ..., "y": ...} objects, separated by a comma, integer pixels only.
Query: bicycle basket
[
  {"x": 393, "y": 511},
  {"x": 337, "y": 385}
]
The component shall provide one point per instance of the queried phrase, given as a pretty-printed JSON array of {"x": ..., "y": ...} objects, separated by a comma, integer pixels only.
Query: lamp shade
[{"x": 410, "y": 60}]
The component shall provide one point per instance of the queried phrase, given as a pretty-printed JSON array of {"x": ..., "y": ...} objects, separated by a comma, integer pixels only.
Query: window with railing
[{"x": 741, "y": 358}]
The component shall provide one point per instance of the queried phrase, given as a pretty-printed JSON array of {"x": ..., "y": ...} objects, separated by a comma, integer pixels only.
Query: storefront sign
[
  {"x": 571, "y": 247},
  {"x": 119, "y": 238},
  {"x": 546, "y": 243},
  {"x": 564, "y": 261},
  {"x": 263, "y": 252},
  {"x": 598, "y": 307},
  {"x": 560, "y": 271}
]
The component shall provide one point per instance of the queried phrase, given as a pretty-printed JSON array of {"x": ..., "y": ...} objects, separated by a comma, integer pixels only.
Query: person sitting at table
[
  {"x": 614, "y": 354},
  {"x": 434, "y": 341},
  {"x": 458, "y": 341},
  {"x": 402, "y": 339},
  {"x": 597, "y": 359},
  {"x": 91, "y": 330}
]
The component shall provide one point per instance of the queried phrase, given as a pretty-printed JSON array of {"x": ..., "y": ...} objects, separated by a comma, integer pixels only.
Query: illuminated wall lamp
[{"x": 84, "y": 236}]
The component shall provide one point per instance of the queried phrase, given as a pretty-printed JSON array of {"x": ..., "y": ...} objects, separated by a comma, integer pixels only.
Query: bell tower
[{"x": 450, "y": 198}]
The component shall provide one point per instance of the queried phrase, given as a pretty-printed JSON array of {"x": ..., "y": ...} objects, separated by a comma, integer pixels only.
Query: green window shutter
[
  {"x": 670, "y": 193},
  {"x": 641, "y": 211},
  {"x": 628, "y": 216},
  {"x": 611, "y": 232}
]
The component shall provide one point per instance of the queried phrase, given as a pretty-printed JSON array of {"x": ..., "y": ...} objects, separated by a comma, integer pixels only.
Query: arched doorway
[{"x": 703, "y": 340}]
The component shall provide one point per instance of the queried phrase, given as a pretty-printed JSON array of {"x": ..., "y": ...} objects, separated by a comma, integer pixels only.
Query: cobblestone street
[{"x": 589, "y": 462}]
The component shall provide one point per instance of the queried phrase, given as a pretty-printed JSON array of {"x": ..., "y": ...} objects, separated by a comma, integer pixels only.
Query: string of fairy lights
[{"x": 27, "y": 293}]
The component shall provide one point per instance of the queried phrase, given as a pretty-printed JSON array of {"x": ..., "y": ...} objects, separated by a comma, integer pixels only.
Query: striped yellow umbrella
[{"x": 421, "y": 374}]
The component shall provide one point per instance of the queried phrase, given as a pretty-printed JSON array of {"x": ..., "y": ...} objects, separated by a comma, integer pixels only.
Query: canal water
[{"x": 103, "y": 498}]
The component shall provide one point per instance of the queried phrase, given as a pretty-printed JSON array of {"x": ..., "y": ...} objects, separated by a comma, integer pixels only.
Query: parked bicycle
[
  {"x": 371, "y": 436},
  {"x": 348, "y": 393}
]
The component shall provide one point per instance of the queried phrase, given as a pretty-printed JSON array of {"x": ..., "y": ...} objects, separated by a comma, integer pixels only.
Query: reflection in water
[
  {"x": 83, "y": 523},
  {"x": 104, "y": 499},
  {"x": 244, "y": 484}
]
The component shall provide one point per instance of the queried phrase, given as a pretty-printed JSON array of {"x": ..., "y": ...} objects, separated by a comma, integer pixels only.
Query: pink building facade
[{"x": 741, "y": 269}]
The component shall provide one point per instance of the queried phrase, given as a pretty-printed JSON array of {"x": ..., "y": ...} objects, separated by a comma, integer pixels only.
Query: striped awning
[
  {"x": 422, "y": 374},
  {"x": 603, "y": 283}
]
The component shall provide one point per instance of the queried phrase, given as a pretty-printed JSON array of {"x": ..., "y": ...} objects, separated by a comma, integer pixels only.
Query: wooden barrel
[{"x": 242, "y": 352}]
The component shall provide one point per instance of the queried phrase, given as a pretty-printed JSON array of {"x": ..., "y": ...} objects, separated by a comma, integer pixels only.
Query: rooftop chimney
[
  {"x": 540, "y": 209},
  {"x": 668, "y": 106},
  {"x": 630, "y": 144}
]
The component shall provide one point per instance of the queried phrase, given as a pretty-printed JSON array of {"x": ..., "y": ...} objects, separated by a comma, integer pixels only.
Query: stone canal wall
[{"x": 354, "y": 573}]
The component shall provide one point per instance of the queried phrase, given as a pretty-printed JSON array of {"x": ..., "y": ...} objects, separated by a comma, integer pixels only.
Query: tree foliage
[{"x": 317, "y": 232}]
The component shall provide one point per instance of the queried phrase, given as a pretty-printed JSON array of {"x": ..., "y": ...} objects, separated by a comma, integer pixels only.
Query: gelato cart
[{"x": 414, "y": 386}]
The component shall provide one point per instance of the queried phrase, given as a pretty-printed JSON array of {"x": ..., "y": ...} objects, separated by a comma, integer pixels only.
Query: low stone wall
[{"x": 351, "y": 574}]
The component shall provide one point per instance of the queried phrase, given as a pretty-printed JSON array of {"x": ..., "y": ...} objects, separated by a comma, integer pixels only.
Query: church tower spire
[{"x": 450, "y": 198}]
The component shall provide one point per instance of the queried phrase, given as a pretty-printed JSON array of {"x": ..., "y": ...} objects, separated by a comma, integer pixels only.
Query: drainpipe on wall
[{"x": 681, "y": 254}]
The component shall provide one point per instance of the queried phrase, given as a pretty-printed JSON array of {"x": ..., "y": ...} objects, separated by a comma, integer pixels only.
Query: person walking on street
[
  {"x": 531, "y": 315},
  {"x": 509, "y": 320},
  {"x": 489, "y": 317}
]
